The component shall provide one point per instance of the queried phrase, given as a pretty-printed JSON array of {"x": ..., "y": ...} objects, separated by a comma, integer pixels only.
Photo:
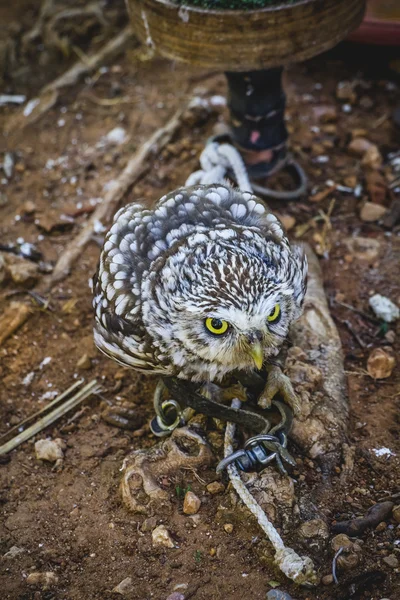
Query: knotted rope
[
  {"x": 298, "y": 568},
  {"x": 216, "y": 161}
]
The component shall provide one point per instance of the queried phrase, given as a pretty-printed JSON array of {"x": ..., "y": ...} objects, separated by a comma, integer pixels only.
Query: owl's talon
[
  {"x": 279, "y": 383},
  {"x": 235, "y": 391}
]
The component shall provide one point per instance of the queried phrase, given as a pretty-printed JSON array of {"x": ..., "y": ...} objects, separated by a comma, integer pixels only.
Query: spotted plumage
[{"x": 204, "y": 256}]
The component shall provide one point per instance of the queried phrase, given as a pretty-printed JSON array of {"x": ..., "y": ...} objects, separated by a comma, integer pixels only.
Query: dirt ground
[{"x": 71, "y": 522}]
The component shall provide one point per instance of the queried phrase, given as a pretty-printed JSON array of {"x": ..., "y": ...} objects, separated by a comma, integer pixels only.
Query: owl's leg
[
  {"x": 278, "y": 383},
  {"x": 236, "y": 390}
]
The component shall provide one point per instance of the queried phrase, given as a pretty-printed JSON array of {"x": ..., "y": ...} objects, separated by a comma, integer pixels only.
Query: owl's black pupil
[{"x": 216, "y": 324}]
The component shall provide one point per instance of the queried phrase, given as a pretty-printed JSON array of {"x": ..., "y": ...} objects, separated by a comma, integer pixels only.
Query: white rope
[
  {"x": 298, "y": 568},
  {"x": 216, "y": 161}
]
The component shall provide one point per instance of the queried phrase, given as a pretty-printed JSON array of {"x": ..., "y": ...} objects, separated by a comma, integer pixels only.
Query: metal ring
[
  {"x": 264, "y": 437},
  {"x": 286, "y": 195}
]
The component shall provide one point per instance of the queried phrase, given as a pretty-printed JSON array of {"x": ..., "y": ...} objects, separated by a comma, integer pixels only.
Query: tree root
[
  {"x": 139, "y": 487},
  {"x": 315, "y": 367}
]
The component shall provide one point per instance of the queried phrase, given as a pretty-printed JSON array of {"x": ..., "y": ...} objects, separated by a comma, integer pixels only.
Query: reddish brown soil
[{"x": 72, "y": 522}]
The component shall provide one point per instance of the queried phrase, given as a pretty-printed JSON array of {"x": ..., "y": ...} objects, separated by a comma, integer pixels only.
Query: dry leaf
[{"x": 380, "y": 364}]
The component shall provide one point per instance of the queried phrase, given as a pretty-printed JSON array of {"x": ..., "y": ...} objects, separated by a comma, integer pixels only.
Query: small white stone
[
  {"x": 98, "y": 226},
  {"x": 13, "y": 552},
  {"x": 45, "y": 362},
  {"x": 384, "y": 308},
  {"x": 27, "y": 380},
  {"x": 162, "y": 537},
  {"x": 123, "y": 588},
  {"x": 116, "y": 136},
  {"x": 383, "y": 452},
  {"x": 50, "y": 450},
  {"x": 30, "y": 106},
  {"x": 191, "y": 504}
]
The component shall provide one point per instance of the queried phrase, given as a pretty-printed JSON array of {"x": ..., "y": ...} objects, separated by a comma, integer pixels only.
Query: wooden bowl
[{"x": 235, "y": 40}]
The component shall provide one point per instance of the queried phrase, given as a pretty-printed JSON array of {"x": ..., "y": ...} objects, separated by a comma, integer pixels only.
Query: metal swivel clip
[
  {"x": 260, "y": 450},
  {"x": 169, "y": 414},
  {"x": 265, "y": 447}
]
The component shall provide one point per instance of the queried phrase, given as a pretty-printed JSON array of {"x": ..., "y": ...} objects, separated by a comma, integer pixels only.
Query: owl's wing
[{"x": 119, "y": 331}]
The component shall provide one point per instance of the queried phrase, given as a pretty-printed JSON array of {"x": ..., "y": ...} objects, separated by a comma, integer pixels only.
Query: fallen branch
[
  {"x": 132, "y": 172},
  {"x": 48, "y": 96}
]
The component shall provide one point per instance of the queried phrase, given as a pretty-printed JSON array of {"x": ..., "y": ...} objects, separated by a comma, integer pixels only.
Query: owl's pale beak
[{"x": 257, "y": 354}]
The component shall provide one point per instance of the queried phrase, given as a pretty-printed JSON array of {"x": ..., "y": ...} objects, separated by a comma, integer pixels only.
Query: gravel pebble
[
  {"x": 50, "y": 450},
  {"x": 191, "y": 504},
  {"x": 124, "y": 587},
  {"x": 215, "y": 487},
  {"x": 396, "y": 513},
  {"x": 162, "y": 537},
  {"x": 391, "y": 561},
  {"x": 44, "y": 579}
]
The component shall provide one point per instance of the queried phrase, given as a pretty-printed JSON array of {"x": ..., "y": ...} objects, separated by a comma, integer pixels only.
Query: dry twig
[
  {"x": 48, "y": 96},
  {"x": 51, "y": 417}
]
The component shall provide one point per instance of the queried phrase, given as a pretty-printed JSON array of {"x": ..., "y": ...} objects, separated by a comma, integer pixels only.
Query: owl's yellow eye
[
  {"x": 216, "y": 326},
  {"x": 274, "y": 314}
]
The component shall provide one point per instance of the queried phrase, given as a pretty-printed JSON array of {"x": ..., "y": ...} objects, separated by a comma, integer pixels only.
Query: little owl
[{"x": 202, "y": 285}]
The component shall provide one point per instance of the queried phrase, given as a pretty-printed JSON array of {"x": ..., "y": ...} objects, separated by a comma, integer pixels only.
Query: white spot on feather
[
  {"x": 259, "y": 209},
  {"x": 238, "y": 210},
  {"x": 120, "y": 309},
  {"x": 226, "y": 234},
  {"x": 118, "y": 259},
  {"x": 214, "y": 197}
]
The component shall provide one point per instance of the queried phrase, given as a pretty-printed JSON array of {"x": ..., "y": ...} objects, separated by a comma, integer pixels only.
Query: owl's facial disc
[
  {"x": 242, "y": 337},
  {"x": 253, "y": 341}
]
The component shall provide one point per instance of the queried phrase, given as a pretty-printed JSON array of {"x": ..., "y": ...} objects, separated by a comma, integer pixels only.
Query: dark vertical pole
[{"x": 257, "y": 105}]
